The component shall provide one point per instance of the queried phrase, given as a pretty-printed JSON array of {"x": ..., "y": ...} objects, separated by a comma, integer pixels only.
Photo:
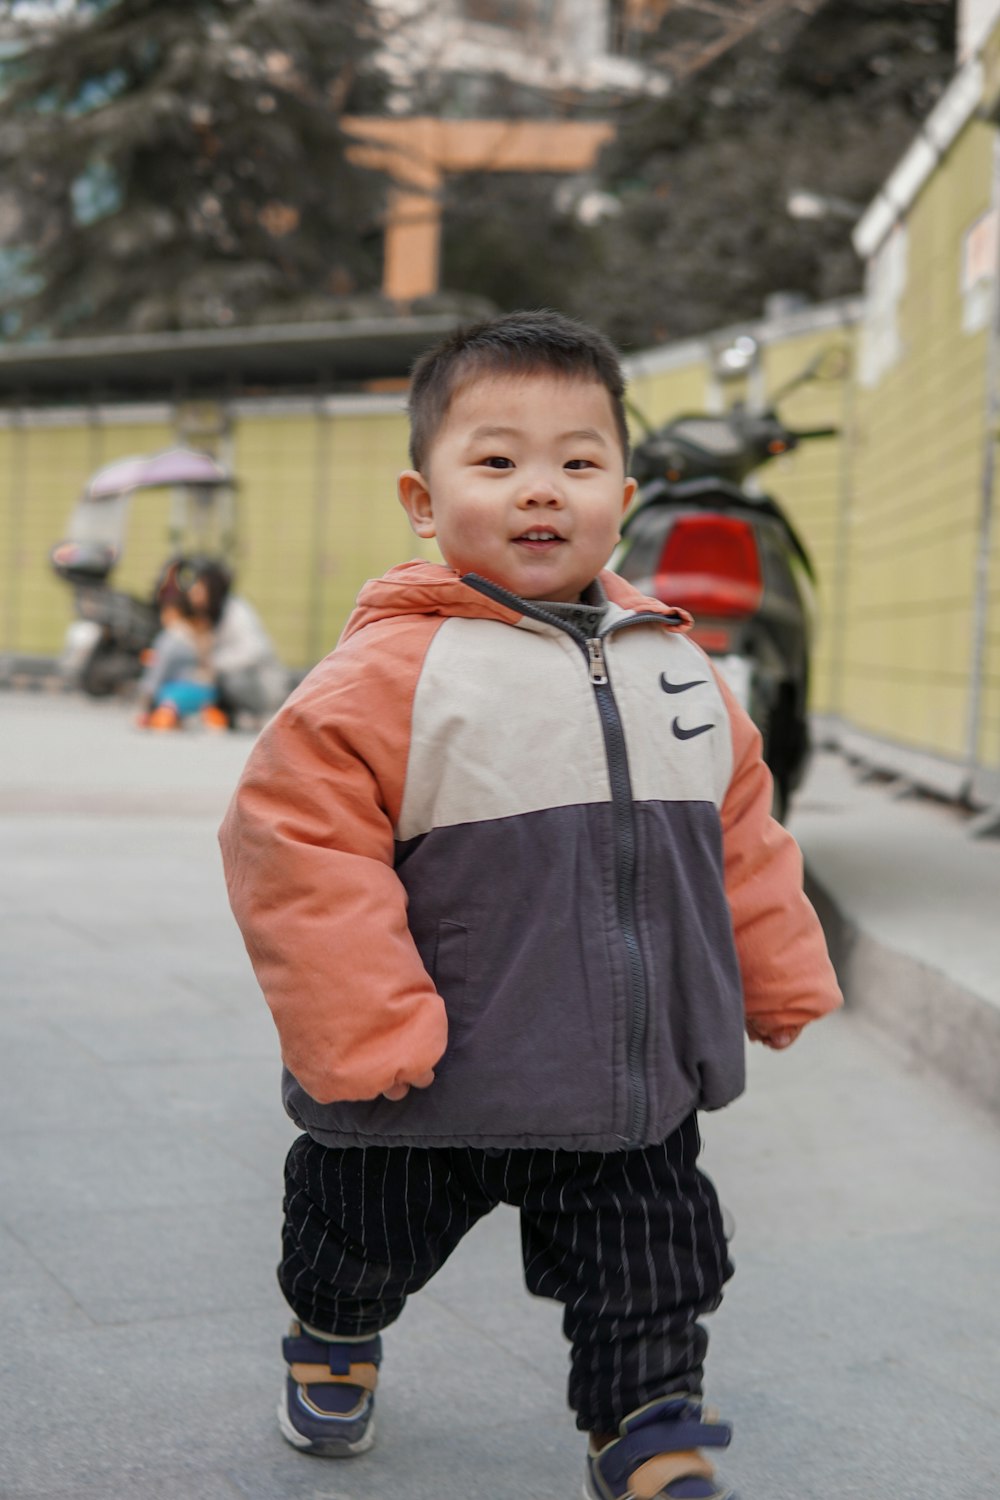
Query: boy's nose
[{"x": 541, "y": 492}]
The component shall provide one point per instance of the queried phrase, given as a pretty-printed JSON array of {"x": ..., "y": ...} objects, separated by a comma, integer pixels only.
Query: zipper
[
  {"x": 623, "y": 813},
  {"x": 598, "y": 666}
]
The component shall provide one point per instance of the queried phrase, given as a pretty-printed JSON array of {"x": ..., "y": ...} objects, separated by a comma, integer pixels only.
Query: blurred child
[
  {"x": 249, "y": 678},
  {"x": 177, "y": 682}
]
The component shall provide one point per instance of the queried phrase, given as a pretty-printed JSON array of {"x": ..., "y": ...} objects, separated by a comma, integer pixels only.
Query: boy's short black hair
[{"x": 519, "y": 343}]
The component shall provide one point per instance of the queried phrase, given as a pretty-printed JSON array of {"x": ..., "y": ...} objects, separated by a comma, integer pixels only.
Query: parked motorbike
[
  {"x": 104, "y": 645},
  {"x": 698, "y": 537}
]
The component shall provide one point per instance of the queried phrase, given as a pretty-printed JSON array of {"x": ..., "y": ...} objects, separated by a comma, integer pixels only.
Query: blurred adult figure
[{"x": 249, "y": 677}]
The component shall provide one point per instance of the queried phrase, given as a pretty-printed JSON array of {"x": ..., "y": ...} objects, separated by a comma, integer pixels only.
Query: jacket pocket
[{"x": 451, "y": 963}]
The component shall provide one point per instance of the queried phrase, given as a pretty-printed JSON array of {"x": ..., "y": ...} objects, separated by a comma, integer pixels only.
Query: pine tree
[
  {"x": 182, "y": 165},
  {"x": 694, "y": 230}
]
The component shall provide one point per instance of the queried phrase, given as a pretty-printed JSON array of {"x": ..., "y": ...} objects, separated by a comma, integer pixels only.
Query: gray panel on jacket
[{"x": 516, "y": 921}]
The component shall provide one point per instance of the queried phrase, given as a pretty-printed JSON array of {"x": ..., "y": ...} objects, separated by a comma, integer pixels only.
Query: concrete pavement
[
  {"x": 141, "y": 1142},
  {"x": 911, "y": 906}
]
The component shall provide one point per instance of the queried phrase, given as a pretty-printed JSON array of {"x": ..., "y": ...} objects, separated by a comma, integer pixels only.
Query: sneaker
[
  {"x": 164, "y": 717},
  {"x": 214, "y": 718},
  {"x": 328, "y": 1402},
  {"x": 656, "y": 1456}
]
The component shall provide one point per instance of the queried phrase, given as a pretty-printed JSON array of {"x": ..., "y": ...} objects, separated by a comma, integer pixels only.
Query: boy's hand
[
  {"x": 777, "y": 1038},
  {"x": 400, "y": 1090}
]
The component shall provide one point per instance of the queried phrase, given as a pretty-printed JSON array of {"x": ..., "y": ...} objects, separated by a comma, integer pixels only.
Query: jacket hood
[{"x": 426, "y": 588}]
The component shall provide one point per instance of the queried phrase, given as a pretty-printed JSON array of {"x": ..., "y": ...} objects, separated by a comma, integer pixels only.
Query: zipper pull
[{"x": 595, "y": 656}]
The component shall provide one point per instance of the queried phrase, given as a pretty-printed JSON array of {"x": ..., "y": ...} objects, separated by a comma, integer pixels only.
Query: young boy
[{"x": 505, "y": 868}]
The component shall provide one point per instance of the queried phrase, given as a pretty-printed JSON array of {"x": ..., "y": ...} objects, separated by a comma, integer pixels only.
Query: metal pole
[
  {"x": 316, "y": 644},
  {"x": 842, "y": 534},
  {"x": 981, "y": 597},
  {"x": 14, "y": 535}
]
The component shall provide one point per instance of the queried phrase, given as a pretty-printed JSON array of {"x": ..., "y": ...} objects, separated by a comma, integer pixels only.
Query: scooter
[
  {"x": 698, "y": 537},
  {"x": 104, "y": 646}
]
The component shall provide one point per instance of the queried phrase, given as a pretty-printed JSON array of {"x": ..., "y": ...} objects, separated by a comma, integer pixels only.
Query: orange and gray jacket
[{"x": 474, "y": 841}]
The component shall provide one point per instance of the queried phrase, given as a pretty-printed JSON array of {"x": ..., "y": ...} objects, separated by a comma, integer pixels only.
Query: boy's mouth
[{"x": 539, "y": 539}]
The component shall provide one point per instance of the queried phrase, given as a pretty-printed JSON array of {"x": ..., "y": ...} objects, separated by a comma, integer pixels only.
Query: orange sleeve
[
  {"x": 788, "y": 978},
  {"x": 307, "y": 846}
]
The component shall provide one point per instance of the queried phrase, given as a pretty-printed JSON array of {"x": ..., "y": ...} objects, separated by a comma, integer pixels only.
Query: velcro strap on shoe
[
  {"x": 337, "y": 1357},
  {"x": 365, "y": 1376},
  {"x": 674, "y": 1425},
  {"x": 680, "y": 1420},
  {"x": 652, "y": 1477}
]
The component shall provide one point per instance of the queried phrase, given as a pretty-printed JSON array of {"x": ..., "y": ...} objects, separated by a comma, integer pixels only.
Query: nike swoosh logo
[
  {"x": 690, "y": 734},
  {"x": 679, "y": 687}
]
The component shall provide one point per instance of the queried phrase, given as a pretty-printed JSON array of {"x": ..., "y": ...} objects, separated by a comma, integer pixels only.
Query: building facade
[{"x": 456, "y": 50}]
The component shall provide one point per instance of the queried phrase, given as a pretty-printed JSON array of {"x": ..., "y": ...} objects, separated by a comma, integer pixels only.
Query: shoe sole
[
  {"x": 589, "y": 1493},
  {"x": 332, "y": 1448}
]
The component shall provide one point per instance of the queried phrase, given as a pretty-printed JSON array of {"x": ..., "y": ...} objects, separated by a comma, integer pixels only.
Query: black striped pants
[{"x": 630, "y": 1242}]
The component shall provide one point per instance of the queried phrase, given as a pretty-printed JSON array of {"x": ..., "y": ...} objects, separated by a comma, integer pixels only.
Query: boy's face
[{"x": 524, "y": 483}]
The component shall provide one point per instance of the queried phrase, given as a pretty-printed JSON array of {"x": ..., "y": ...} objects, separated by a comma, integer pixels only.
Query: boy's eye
[
  {"x": 578, "y": 463},
  {"x": 496, "y": 462}
]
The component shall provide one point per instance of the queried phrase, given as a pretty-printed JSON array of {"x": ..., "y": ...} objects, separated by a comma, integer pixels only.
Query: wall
[
  {"x": 316, "y": 501},
  {"x": 319, "y": 512},
  {"x": 912, "y": 543},
  {"x": 45, "y": 459},
  {"x": 316, "y": 505},
  {"x": 922, "y": 669}
]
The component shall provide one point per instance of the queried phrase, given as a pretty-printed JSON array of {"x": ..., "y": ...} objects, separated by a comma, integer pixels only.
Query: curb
[{"x": 930, "y": 1015}]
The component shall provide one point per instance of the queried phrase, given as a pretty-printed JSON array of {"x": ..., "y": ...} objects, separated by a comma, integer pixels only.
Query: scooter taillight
[
  {"x": 710, "y": 565},
  {"x": 717, "y": 640}
]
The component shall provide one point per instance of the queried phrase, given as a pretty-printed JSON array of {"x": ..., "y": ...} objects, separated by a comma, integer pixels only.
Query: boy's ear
[
  {"x": 631, "y": 485},
  {"x": 415, "y": 498}
]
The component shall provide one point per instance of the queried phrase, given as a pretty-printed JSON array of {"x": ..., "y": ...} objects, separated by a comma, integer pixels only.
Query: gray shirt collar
[{"x": 585, "y": 614}]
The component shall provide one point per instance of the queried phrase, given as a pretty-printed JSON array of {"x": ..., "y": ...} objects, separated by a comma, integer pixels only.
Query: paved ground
[
  {"x": 910, "y": 902},
  {"x": 141, "y": 1142}
]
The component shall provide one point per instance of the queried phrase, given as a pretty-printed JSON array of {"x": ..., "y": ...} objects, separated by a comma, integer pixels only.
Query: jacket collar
[{"x": 426, "y": 588}]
